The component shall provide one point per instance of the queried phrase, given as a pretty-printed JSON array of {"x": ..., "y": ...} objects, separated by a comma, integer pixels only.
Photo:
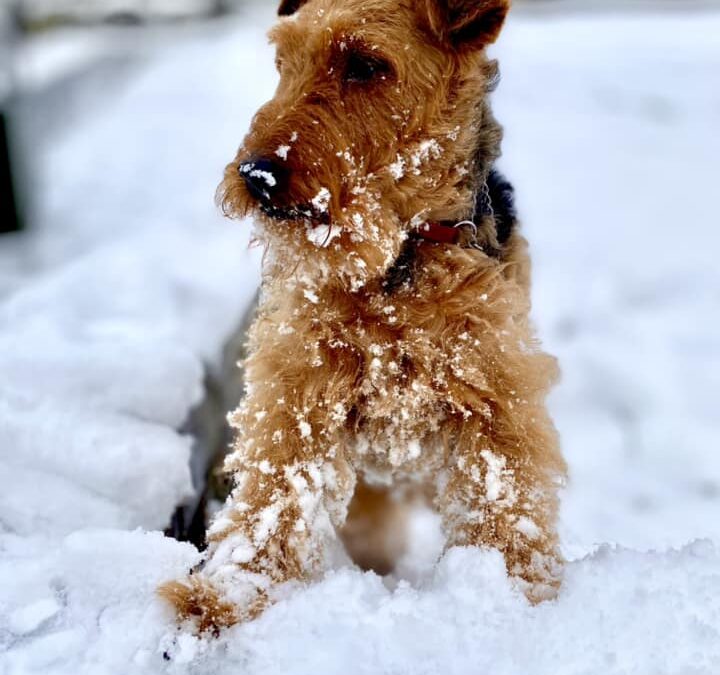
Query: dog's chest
[{"x": 399, "y": 413}]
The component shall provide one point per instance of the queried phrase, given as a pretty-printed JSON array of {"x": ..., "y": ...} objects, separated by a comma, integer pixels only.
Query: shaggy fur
[{"x": 378, "y": 358}]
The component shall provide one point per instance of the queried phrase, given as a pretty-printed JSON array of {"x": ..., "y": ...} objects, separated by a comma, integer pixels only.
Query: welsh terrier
[{"x": 392, "y": 346}]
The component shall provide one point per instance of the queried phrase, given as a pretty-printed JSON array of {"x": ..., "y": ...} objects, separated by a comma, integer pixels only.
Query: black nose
[{"x": 265, "y": 179}]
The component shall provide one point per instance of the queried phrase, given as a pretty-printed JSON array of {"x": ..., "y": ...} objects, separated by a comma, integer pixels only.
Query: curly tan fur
[{"x": 438, "y": 381}]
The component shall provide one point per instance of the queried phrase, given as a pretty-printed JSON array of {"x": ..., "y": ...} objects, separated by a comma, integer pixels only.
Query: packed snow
[{"x": 132, "y": 283}]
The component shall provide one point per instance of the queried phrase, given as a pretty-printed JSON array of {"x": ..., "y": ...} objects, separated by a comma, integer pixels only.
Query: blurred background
[{"x": 117, "y": 117}]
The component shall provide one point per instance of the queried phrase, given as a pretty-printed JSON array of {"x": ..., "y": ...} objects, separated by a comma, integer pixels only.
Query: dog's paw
[
  {"x": 542, "y": 579},
  {"x": 208, "y": 609},
  {"x": 199, "y": 603},
  {"x": 539, "y": 592}
]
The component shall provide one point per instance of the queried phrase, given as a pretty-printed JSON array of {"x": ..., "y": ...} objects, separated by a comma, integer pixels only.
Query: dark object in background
[
  {"x": 224, "y": 387},
  {"x": 10, "y": 219}
]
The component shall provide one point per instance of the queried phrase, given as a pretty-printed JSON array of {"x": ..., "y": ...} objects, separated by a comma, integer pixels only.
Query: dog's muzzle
[{"x": 268, "y": 183}]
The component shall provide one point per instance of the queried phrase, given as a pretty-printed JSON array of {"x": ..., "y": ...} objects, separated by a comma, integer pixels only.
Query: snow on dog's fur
[{"x": 379, "y": 358}]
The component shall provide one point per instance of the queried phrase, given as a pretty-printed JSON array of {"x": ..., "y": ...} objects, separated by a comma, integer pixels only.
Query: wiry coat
[{"x": 379, "y": 358}]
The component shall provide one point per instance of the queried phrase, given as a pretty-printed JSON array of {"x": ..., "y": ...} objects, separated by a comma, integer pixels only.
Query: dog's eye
[{"x": 363, "y": 68}]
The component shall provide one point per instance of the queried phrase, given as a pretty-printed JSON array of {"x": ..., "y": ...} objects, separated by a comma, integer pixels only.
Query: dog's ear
[
  {"x": 288, "y": 7},
  {"x": 465, "y": 23}
]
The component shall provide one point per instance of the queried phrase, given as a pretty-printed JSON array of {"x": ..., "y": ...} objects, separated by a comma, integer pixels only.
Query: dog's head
[{"x": 377, "y": 125}]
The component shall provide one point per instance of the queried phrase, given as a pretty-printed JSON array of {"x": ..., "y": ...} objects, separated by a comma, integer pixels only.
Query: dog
[{"x": 392, "y": 345}]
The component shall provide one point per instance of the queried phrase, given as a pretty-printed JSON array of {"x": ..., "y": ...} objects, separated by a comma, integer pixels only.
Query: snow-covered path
[{"x": 612, "y": 144}]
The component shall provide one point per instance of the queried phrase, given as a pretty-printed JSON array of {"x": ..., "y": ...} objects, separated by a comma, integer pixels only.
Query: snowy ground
[{"x": 136, "y": 283}]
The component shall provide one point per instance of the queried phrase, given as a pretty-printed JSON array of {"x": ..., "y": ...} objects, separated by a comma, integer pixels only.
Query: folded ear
[
  {"x": 288, "y": 7},
  {"x": 466, "y": 23}
]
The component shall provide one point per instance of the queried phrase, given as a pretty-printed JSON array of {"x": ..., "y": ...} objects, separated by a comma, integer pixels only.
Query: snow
[
  {"x": 311, "y": 296},
  {"x": 498, "y": 479},
  {"x": 305, "y": 429},
  {"x": 322, "y": 235},
  {"x": 321, "y": 200},
  {"x": 103, "y": 582},
  {"x": 135, "y": 283},
  {"x": 265, "y": 176},
  {"x": 30, "y": 617},
  {"x": 397, "y": 168},
  {"x": 622, "y": 612},
  {"x": 46, "y": 58},
  {"x": 429, "y": 149}
]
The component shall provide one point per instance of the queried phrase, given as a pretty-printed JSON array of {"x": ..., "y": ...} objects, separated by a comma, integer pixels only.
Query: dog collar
[{"x": 463, "y": 233}]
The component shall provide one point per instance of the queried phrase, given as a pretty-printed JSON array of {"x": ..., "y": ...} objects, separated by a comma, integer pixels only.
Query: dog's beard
[
  {"x": 317, "y": 254},
  {"x": 292, "y": 214}
]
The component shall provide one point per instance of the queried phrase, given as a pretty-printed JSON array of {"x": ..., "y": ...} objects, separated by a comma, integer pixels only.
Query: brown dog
[{"x": 392, "y": 346}]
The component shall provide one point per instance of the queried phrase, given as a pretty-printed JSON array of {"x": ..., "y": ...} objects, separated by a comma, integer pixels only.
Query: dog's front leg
[
  {"x": 292, "y": 488},
  {"x": 501, "y": 492}
]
